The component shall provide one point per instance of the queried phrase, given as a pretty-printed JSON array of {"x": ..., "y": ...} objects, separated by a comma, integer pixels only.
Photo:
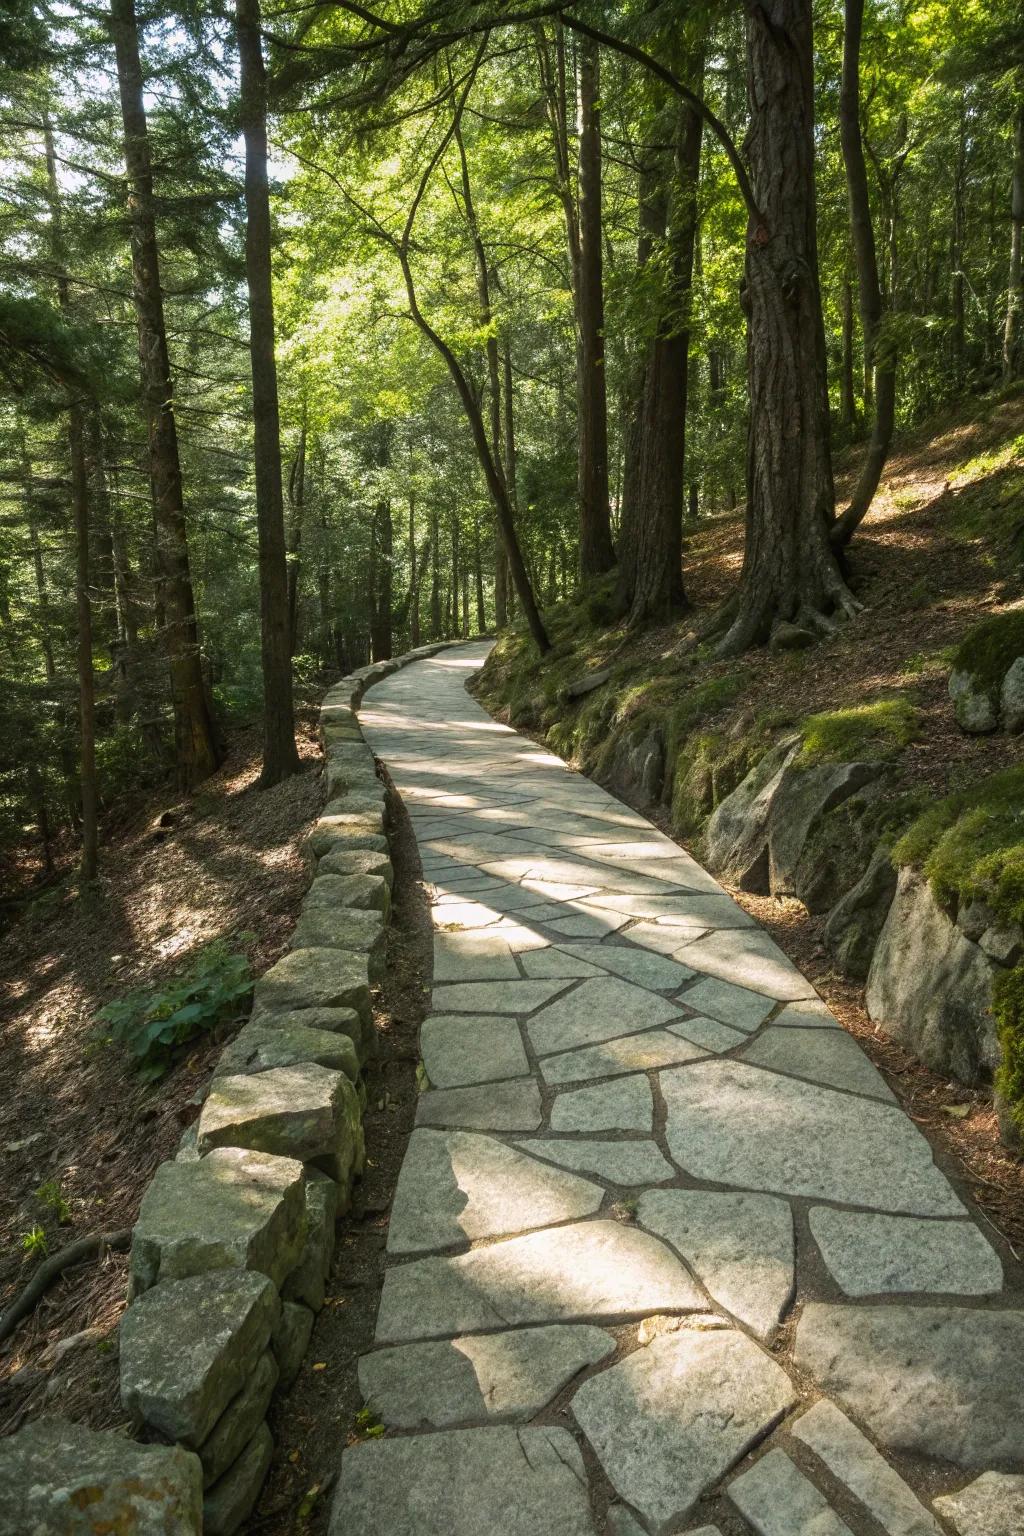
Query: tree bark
[
  {"x": 83, "y": 616},
  {"x": 657, "y": 589},
  {"x": 478, "y": 571},
  {"x": 879, "y": 363},
  {"x": 790, "y": 572},
  {"x": 414, "y": 584},
  {"x": 280, "y": 756},
  {"x": 597, "y": 554},
  {"x": 383, "y": 582},
  {"x": 435, "y": 578},
  {"x": 297, "y": 497},
  {"x": 195, "y": 738},
  {"x": 848, "y": 407},
  {"x": 1014, "y": 289}
]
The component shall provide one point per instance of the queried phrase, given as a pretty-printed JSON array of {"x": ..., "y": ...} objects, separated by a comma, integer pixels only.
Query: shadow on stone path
[{"x": 666, "y": 1255}]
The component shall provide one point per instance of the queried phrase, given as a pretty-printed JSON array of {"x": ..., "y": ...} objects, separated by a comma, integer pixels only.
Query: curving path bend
[{"x": 665, "y": 1253}]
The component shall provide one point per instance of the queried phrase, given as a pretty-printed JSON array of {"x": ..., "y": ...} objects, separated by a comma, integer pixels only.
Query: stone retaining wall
[{"x": 235, "y": 1235}]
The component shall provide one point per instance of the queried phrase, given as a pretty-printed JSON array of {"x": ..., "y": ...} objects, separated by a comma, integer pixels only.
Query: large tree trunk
[
  {"x": 879, "y": 364},
  {"x": 383, "y": 590},
  {"x": 789, "y": 570},
  {"x": 596, "y": 552},
  {"x": 195, "y": 737},
  {"x": 280, "y": 757},
  {"x": 435, "y": 578},
  {"x": 297, "y": 497},
  {"x": 657, "y": 537},
  {"x": 414, "y": 577},
  {"x": 1014, "y": 291}
]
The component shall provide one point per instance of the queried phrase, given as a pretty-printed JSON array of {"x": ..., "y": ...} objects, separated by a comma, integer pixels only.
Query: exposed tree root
[{"x": 96, "y": 1245}]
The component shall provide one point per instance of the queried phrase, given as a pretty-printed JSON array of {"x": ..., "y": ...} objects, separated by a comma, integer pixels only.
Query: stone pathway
[{"x": 665, "y": 1254}]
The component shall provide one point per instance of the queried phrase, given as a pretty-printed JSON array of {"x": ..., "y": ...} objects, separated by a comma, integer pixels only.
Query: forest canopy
[{"x": 330, "y": 329}]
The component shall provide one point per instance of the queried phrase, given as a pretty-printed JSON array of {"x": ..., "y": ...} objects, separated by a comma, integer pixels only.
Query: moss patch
[
  {"x": 1008, "y": 1009},
  {"x": 971, "y": 845},
  {"x": 988, "y": 651},
  {"x": 878, "y": 729}
]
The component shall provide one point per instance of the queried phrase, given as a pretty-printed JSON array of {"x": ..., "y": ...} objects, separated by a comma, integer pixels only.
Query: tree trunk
[
  {"x": 789, "y": 570},
  {"x": 323, "y": 582},
  {"x": 297, "y": 497},
  {"x": 280, "y": 757},
  {"x": 435, "y": 579},
  {"x": 478, "y": 569},
  {"x": 195, "y": 737},
  {"x": 596, "y": 552},
  {"x": 382, "y": 582},
  {"x": 1014, "y": 290},
  {"x": 879, "y": 363},
  {"x": 956, "y": 258},
  {"x": 657, "y": 590},
  {"x": 83, "y": 616},
  {"x": 848, "y": 407},
  {"x": 414, "y": 582}
]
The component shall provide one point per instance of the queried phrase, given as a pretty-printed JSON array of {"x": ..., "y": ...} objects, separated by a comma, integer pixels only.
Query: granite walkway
[{"x": 665, "y": 1253}]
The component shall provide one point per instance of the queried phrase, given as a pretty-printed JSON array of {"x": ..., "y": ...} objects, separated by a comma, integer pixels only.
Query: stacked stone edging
[{"x": 235, "y": 1235}]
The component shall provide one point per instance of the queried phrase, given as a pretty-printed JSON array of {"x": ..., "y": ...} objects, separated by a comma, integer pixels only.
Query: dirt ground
[{"x": 74, "y": 1118}]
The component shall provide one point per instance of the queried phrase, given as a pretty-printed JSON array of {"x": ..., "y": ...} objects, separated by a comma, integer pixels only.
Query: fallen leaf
[
  {"x": 320, "y": 1365},
  {"x": 958, "y": 1111}
]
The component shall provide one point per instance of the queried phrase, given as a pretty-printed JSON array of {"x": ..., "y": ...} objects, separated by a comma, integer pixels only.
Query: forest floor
[
  {"x": 942, "y": 548},
  {"x": 80, "y": 1135}
]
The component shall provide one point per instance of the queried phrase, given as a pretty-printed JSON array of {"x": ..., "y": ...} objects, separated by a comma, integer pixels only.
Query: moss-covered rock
[
  {"x": 1008, "y": 1010},
  {"x": 986, "y": 657},
  {"x": 877, "y": 730},
  {"x": 971, "y": 845}
]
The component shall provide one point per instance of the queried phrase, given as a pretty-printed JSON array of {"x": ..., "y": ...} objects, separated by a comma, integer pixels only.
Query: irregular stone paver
[
  {"x": 596, "y": 1010},
  {"x": 585, "y": 967},
  {"x": 623, "y": 1104},
  {"x": 647, "y": 1052},
  {"x": 516, "y": 1482},
  {"x": 779, "y": 1501},
  {"x": 735, "y": 1124},
  {"x": 736, "y": 1006},
  {"x": 507, "y": 1106},
  {"x": 481, "y": 1378},
  {"x": 852, "y": 1458},
  {"x": 993, "y": 1505},
  {"x": 456, "y": 1186},
  {"x": 740, "y": 1246},
  {"x": 937, "y": 1381},
  {"x": 619, "y": 1162},
  {"x": 870, "y": 1254},
  {"x": 671, "y": 1418},
  {"x": 827, "y": 1056},
  {"x": 597, "y": 1271},
  {"x": 460, "y": 1049}
]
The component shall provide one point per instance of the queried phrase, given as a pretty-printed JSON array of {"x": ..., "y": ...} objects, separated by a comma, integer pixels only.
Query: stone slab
[
  {"x": 315, "y": 978},
  {"x": 240, "y": 1420},
  {"x": 734, "y": 1124},
  {"x": 59, "y": 1477},
  {"x": 264, "y": 1044},
  {"x": 357, "y": 861},
  {"x": 219, "y": 1324},
  {"x": 778, "y": 1500},
  {"x": 234, "y": 1209},
  {"x": 852, "y": 1459},
  {"x": 459, "y": 1049},
  {"x": 506, "y": 1106},
  {"x": 500, "y": 1481},
  {"x": 364, "y": 891},
  {"x": 230, "y": 1501},
  {"x": 709, "y": 1034},
  {"x": 809, "y": 1014},
  {"x": 932, "y": 1381},
  {"x": 647, "y": 1052},
  {"x": 740, "y": 1246},
  {"x": 748, "y": 958},
  {"x": 595, "y": 1271},
  {"x": 629, "y": 1163},
  {"x": 819, "y": 1056},
  {"x": 993, "y": 1505},
  {"x": 473, "y": 957},
  {"x": 519, "y": 997},
  {"x": 669, "y": 1420},
  {"x": 456, "y": 1187},
  {"x": 479, "y": 1378},
  {"x": 643, "y": 967},
  {"x": 621, "y": 1104},
  {"x": 308, "y": 1280},
  {"x": 736, "y": 1006},
  {"x": 558, "y": 962},
  {"x": 597, "y": 1010},
  {"x": 339, "y": 1021},
  {"x": 868, "y": 1255}
]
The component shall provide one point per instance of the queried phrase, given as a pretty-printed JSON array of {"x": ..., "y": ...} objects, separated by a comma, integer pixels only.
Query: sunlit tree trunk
[
  {"x": 195, "y": 738},
  {"x": 280, "y": 756}
]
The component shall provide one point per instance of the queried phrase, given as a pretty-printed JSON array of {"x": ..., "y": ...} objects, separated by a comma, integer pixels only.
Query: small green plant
[
  {"x": 51, "y": 1198},
  {"x": 151, "y": 1025},
  {"x": 367, "y": 1424},
  {"x": 34, "y": 1242}
]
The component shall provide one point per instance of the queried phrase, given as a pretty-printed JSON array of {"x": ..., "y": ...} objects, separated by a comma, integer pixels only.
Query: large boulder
[
  {"x": 975, "y": 707},
  {"x": 61, "y": 1479},
  {"x": 331, "y": 1021},
  {"x": 236, "y": 1209},
  {"x": 856, "y": 920},
  {"x": 930, "y": 987},
  {"x": 346, "y": 928},
  {"x": 636, "y": 772},
  {"x": 736, "y": 837},
  {"x": 187, "y": 1348},
  {"x": 1011, "y": 697},
  {"x": 804, "y": 796},
  {"x": 306, "y": 1112},
  {"x": 986, "y": 684}
]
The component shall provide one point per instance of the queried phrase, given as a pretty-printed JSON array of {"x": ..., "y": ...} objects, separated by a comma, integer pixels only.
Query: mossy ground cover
[{"x": 971, "y": 844}]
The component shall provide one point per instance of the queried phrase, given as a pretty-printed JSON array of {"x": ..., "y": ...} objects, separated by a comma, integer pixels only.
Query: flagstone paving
[{"x": 645, "y": 1150}]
